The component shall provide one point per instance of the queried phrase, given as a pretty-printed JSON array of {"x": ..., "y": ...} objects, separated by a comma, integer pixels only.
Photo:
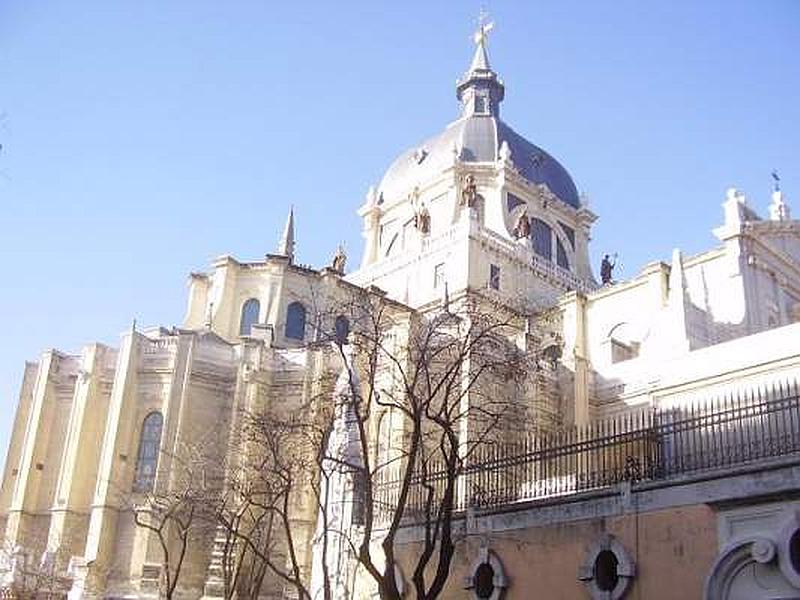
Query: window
[
  {"x": 296, "y": 321},
  {"x": 541, "y": 235},
  {"x": 608, "y": 569},
  {"x": 484, "y": 581},
  {"x": 341, "y": 328},
  {"x": 438, "y": 276},
  {"x": 513, "y": 201},
  {"x": 570, "y": 233},
  {"x": 250, "y": 310},
  {"x": 494, "y": 277},
  {"x": 384, "y": 446},
  {"x": 147, "y": 460},
  {"x": 794, "y": 551},
  {"x": 359, "y": 493},
  {"x": 622, "y": 340},
  {"x": 393, "y": 245},
  {"x": 561, "y": 255},
  {"x": 481, "y": 105},
  {"x": 605, "y": 570},
  {"x": 487, "y": 579},
  {"x": 409, "y": 233}
]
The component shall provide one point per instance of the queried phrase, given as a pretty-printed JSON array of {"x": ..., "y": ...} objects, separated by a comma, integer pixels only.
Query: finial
[
  {"x": 778, "y": 209},
  {"x": 286, "y": 244},
  {"x": 484, "y": 27}
]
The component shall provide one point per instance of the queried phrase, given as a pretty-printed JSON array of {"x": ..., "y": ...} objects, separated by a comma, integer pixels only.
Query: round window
[
  {"x": 605, "y": 570},
  {"x": 794, "y": 551},
  {"x": 484, "y": 581}
]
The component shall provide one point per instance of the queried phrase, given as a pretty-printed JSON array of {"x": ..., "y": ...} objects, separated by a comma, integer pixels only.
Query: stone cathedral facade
[{"x": 475, "y": 210}]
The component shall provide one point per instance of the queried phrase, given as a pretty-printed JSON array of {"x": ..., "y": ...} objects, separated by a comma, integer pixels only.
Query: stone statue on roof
[
  {"x": 607, "y": 269},
  {"x": 522, "y": 228},
  {"x": 469, "y": 195},
  {"x": 422, "y": 220},
  {"x": 339, "y": 260}
]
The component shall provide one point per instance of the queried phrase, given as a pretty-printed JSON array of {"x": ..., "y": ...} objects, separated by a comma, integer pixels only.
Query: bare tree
[
  {"x": 451, "y": 377},
  {"x": 175, "y": 507},
  {"x": 453, "y": 381},
  {"x": 31, "y": 576},
  {"x": 256, "y": 512}
]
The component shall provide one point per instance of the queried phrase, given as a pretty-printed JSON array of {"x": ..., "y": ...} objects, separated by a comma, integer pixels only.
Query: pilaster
[
  {"x": 11, "y": 472},
  {"x": 27, "y": 519},
  {"x": 581, "y": 391},
  {"x": 110, "y": 490},
  {"x": 81, "y": 457}
]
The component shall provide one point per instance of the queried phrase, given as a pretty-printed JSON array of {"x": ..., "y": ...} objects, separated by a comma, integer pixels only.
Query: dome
[
  {"x": 479, "y": 139},
  {"x": 478, "y": 136}
]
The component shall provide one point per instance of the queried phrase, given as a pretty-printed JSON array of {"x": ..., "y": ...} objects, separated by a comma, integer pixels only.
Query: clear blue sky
[{"x": 141, "y": 139}]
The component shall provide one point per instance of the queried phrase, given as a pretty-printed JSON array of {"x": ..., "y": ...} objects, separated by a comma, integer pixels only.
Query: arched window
[
  {"x": 342, "y": 328},
  {"x": 250, "y": 310},
  {"x": 296, "y": 321},
  {"x": 147, "y": 459},
  {"x": 359, "y": 497},
  {"x": 561, "y": 255},
  {"x": 541, "y": 235},
  {"x": 384, "y": 447}
]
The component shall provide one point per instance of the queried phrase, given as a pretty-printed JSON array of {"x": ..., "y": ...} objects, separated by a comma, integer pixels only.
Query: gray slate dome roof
[
  {"x": 478, "y": 135},
  {"x": 479, "y": 138}
]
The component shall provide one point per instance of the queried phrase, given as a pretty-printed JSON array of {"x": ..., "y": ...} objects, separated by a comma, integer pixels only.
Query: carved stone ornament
[
  {"x": 732, "y": 560},
  {"x": 789, "y": 549}
]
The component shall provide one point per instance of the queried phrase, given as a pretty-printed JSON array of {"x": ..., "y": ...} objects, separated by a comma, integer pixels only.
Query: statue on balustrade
[
  {"x": 607, "y": 269},
  {"x": 339, "y": 260},
  {"x": 522, "y": 228},
  {"x": 469, "y": 195}
]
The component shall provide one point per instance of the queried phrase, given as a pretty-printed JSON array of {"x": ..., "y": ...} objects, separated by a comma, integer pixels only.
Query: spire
[
  {"x": 480, "y": 91},
  {"x": 480, "y": 61},
  {"x": 286, "y": 245}
]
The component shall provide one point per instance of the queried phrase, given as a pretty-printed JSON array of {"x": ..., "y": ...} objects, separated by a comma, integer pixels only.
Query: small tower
[
  {"x": 480, "y": 91},
  {"x": 286, "y": 244}
]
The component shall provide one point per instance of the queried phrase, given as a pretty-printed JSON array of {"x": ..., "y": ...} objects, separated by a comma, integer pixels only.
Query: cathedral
[{"x": 651, "y": 448}]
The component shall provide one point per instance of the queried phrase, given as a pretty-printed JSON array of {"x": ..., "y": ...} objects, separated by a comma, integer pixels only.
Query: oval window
[
  {"x": 605, "y": 570},
  {"x": 484, "y": 581},
  {"x": 794, "y": 551}
]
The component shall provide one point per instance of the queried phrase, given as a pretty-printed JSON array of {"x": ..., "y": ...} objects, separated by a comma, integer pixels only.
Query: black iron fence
[{"x": 652, "y": 444}]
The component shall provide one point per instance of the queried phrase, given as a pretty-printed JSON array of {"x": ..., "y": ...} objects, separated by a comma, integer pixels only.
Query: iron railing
[{"x": 652, "y": 444}]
